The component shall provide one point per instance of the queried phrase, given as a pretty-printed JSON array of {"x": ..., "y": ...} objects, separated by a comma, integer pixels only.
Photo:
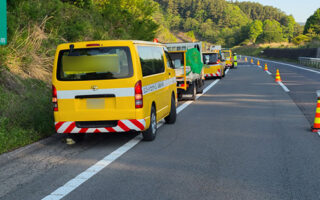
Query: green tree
[
  {"x": 288, "y": 27},
  {"x": 272, "y": 32},
  {"x": 191, "y": 24},
  {"x": 313, "y": 23},
  {"x": 130, "y": 19},
  {"x": 233, "y": 16},
  {"x": 256, "y": 29}
]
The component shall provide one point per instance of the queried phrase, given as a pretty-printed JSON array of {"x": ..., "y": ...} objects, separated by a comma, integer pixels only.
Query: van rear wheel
[
  {"x": 151, "y": 132},
  {"x": 200, "y": 87},
  {"x": 171, "y": 118},
  {"x": 193, "y": 91}
]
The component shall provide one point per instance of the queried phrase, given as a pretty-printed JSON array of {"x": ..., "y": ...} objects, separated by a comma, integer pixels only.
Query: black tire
[
  {"x": 171, "y": 118},
  {"x": 151, "y": 132},
  {"x": 200, "y": 87},
  {"x": 193, "y": 92},
  {"x": 77, "y": 137},
  {"x": 179, "y": 96},
  {"x": 224, "y": 73}
]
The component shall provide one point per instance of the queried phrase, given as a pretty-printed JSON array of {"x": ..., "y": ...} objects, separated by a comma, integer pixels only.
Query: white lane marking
[
  {"x": 319, "y": 133},
  {"x": 227, "y": 71},
  {"x": 94, "y": 169},
  {"x": 186, "y": 104},
  {"x": 259, "y": 66},
  {"x": 91, "y": 171},
  {"x": 183, "y": 106},
  {"x": 269, "y": 73},
  {"x": 302, "y": 68},
  {"x": 283, "y": 86},
  {"x": 209, "y": 87}
]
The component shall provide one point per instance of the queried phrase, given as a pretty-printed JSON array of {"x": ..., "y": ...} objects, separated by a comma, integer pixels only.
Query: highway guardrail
[{"x": 313, "y": 62}]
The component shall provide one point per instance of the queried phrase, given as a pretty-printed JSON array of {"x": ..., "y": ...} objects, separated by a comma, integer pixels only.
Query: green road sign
[{"x": 3, "y": 22}]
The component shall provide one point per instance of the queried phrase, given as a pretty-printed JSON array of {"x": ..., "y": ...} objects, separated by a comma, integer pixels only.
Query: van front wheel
[
  {"x": 150, "y": 133},
  {"x": 171, "y": 118}
]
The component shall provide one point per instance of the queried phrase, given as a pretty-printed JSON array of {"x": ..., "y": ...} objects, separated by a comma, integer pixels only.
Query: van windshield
[
  {"x": 94, "y": 64},
  {"x": 210, "y": 58},
  {"x": 226, "y": 54}
]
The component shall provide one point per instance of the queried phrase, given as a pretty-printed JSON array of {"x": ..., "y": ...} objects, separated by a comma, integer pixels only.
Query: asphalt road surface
[
  {"x": 303, "y": 82},
  {"x": 245, "y": 138}
]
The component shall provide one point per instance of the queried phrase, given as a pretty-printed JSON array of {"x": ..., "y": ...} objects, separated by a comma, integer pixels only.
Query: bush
[{"x": 301, "y": 39}]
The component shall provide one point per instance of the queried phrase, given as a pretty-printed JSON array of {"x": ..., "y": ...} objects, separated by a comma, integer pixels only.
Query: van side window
[
  {"x": 151, "y": 58},
  {"x": 169, "y": 60}
]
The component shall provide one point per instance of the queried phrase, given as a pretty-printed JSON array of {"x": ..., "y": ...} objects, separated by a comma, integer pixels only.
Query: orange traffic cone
[
  {"x": 316, "y": 126},
  {"x": 278, "y": 78},
  {"x": 265, "y": 67},
  {"x": 258, "y": 63},
  {"x": 251, "y": 61},
  {"x": 245, "y": 59}
]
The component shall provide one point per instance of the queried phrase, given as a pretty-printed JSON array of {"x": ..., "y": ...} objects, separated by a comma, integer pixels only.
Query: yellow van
[
  {"x": 213, "y": 68},
  {"x": 113, "y": 86},
  {"x": 227, "y": 57}
]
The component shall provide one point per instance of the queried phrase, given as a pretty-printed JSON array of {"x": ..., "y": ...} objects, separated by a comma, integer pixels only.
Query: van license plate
[{"x": 95, "y": 103}]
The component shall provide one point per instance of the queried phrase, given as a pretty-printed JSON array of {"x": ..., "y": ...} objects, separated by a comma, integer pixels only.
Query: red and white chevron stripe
[
  {"x": 123, "y": 126},
  {"x": 218, "y": 74}
]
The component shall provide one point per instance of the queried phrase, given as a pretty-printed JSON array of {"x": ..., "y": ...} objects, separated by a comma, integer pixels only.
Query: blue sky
[{"x": 300, "y": 9}]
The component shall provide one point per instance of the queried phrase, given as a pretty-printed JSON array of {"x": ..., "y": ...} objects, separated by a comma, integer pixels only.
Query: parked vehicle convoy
[
  {"x": 227, "y": 57},
  {"x": 189, "y": 68},
  {"x": 113, "y": 86},
  {"x": 213, "y": 68}
]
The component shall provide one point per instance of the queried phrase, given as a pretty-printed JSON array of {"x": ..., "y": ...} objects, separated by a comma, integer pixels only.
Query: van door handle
[
  {"x": 95, "y": 96},
  {"x": 169, "y": 73}
]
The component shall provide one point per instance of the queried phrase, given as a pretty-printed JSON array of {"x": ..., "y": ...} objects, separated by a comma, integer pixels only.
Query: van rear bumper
[
  {"x": 216, "y": 74},
  {"x": 122, "y": 126}
]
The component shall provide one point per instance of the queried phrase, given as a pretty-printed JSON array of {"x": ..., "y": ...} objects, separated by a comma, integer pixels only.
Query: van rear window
[
  {"x": 94, "y": 64},
  {"x": 210, "y": 58},
  {"x": 226, "y": 54}
]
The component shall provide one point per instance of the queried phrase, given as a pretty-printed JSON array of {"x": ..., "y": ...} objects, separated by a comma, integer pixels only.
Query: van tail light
[
  {"x": 138, "y": 95},
  {"x": 54, "y": 98},
  {"x": 218, "y": 61}
]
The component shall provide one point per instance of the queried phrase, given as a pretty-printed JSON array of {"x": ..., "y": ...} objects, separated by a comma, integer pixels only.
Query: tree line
[{"x": 231, "y": 23}]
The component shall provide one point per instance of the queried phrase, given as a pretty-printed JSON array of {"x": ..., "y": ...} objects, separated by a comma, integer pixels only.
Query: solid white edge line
[
  {"x": 227, "y": 71},
  {"x": 74, "y": 183},
  {"x": 306, "y": 69},
  {"x": 259, "y": 66},
  {"x": 269, "y": 73},
  {"x": 283, "y": 86},
  {"x": 319, "y": 133},
  {"x": 91, "y": 171}
]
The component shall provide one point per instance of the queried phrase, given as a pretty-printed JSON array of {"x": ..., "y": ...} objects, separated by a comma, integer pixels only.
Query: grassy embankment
[{"x": 35, "y": 28}]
